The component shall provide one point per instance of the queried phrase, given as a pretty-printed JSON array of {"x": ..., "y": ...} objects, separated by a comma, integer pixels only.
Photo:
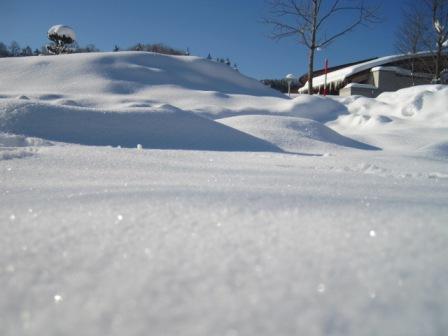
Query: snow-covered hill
[
  {"x": 243, "y": 212},
  {"x": 130, "y": 98}
]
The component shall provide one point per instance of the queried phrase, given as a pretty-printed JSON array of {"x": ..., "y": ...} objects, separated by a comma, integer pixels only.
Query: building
[{"x": 374, "y": 76}]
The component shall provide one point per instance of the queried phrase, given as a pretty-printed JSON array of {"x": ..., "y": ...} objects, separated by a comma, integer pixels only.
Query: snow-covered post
[
  {"x": 62, "y": 36},
  {"x": 289, "y": 79}
]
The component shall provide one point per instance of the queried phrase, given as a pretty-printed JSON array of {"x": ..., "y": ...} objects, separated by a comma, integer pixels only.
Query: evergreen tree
[
  {"x": 14, "y": 49},
  {"x": 27, "y": 51},
  {"x": 4, "y": 50},
  {"x": 63, "y": 37}
]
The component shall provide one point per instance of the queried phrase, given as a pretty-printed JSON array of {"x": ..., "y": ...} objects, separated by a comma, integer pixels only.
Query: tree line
[{"x": 14, "y": 50}]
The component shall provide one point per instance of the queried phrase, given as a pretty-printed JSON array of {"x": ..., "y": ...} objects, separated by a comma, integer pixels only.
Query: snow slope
[
  {"x": 121, "y": 73},
  {"x": 130, "y": 98},
  {"x": 160, "y": 126},
  {"x": 293, "y": 134},
  {"x": 406, "y": 120},
  {"x": 276, "y": 217}
]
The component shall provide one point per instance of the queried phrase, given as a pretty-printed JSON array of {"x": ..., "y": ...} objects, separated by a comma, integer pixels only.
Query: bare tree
[
  {"x": 309, "y": 20},
  {"x": 410, "y": 36},
  {"x": 412, "y": 30},
  {"x": 439, "y": 33},
  {"x": 14, "y": 49}
]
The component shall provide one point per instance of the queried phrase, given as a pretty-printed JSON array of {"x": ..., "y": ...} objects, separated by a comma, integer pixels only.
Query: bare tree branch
[{"x": 307, "y": 20}]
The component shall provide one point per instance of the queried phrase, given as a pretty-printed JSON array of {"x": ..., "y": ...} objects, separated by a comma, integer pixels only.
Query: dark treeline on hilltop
[
  {"x": 15, "y": 50},
  {"x": 282, "y": 85}
]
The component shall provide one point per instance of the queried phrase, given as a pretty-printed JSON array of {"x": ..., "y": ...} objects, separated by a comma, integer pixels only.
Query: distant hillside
[{"x": 122, "y": 73}]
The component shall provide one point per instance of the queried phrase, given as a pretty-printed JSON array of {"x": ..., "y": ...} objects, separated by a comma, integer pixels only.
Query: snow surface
[{"x": 143, "y": 194}]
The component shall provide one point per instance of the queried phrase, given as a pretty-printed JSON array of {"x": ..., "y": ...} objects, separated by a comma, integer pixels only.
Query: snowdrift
[
  {"x": 179, "y": 102},
  {"x": 293, "y": 134},
  {"x": 162, "y": 127},
  {"x": 130, "y": 98},
  {"x": 406, "y": 120},
  {"x": 424, "y": 105},
  {"x": 437, "y": 150},
  {"x": 121, "y": 73}
]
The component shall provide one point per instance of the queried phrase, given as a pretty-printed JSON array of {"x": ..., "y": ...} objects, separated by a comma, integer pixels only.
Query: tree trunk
[
  {"x": 312, "y": 46},
  {"x": 310, "y": 70},
  {"x": 439, "y": 59}
]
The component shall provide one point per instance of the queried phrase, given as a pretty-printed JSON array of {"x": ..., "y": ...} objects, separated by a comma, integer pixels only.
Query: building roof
[
  {"x": 342, "y": 74},
  {"x": 304, "y": 78}
]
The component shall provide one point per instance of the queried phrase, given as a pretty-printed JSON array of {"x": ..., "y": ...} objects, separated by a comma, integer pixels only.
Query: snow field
[
  {"x": 143, "y": 194},
  {"x": 121, "y": 241}
]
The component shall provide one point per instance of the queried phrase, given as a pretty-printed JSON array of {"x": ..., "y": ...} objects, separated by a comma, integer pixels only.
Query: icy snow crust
[{"x": 143, "y": 194}]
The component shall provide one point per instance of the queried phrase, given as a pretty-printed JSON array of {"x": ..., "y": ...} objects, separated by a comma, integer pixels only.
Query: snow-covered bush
[{"x": 63, "y": 37}]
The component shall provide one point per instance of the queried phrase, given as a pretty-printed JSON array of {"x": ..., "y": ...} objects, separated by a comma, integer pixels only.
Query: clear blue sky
[{"x": 225, "y": 28}]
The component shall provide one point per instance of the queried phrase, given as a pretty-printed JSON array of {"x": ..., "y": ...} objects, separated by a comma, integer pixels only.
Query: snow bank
[
  {"x": 162, "y": 127},
  {"x": 13, "y": 140},
  {"x": 107, "y": 241},
  {"x": 437, "y": 150},
  {"x": 293, "y": 134},
  {"x": 405, "y": 120},
  {"x": 122, "y": 73},
  {"x": 123, "y": 87}
]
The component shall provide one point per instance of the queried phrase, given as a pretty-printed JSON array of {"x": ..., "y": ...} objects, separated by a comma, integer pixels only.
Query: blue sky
[{"x": 225, "y": 28}]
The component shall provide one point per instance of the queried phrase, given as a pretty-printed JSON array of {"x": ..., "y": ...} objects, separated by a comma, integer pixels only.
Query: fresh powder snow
[{"x": 145, "y": 194}]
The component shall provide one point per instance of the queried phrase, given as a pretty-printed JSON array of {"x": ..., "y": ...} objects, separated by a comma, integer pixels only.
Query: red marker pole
[{"x": 326, "y": 74}]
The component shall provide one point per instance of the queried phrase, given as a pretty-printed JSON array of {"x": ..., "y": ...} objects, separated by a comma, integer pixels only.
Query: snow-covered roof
[
  {"x": 342, "y": 74},
  {"x": 400, "y": 71},
  {"x": 357, "y": 85},
  {"x": 62, "y": 30}
]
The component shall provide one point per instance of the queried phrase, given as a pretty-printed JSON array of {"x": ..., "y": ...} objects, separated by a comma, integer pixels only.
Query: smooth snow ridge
[
  {"x": 122, "y": 73},
  {"x": 162, "y": 127},
  {"x": 291, "y": 133}
]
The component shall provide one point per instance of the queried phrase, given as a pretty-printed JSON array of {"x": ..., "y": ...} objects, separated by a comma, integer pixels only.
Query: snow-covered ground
[{"x": 143, "y": 194}]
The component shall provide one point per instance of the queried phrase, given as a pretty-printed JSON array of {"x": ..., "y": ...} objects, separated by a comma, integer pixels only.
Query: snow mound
[
  {"x": 139, "y": 83},
  {"x": 405, "y": 120},
  {"x": 160, "y": 127},
  {"x": 423, "y": 105},
  {"x": 317, "y": 108},
  {"x": 120, "y": 73},
  {"x": 293, "y": 134},
  {"x": 437, "y": 150},
  {"x": 13, "y": 140},
  {"x": 15, "y": 153},
  {"x": 17, "y": 147}
]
